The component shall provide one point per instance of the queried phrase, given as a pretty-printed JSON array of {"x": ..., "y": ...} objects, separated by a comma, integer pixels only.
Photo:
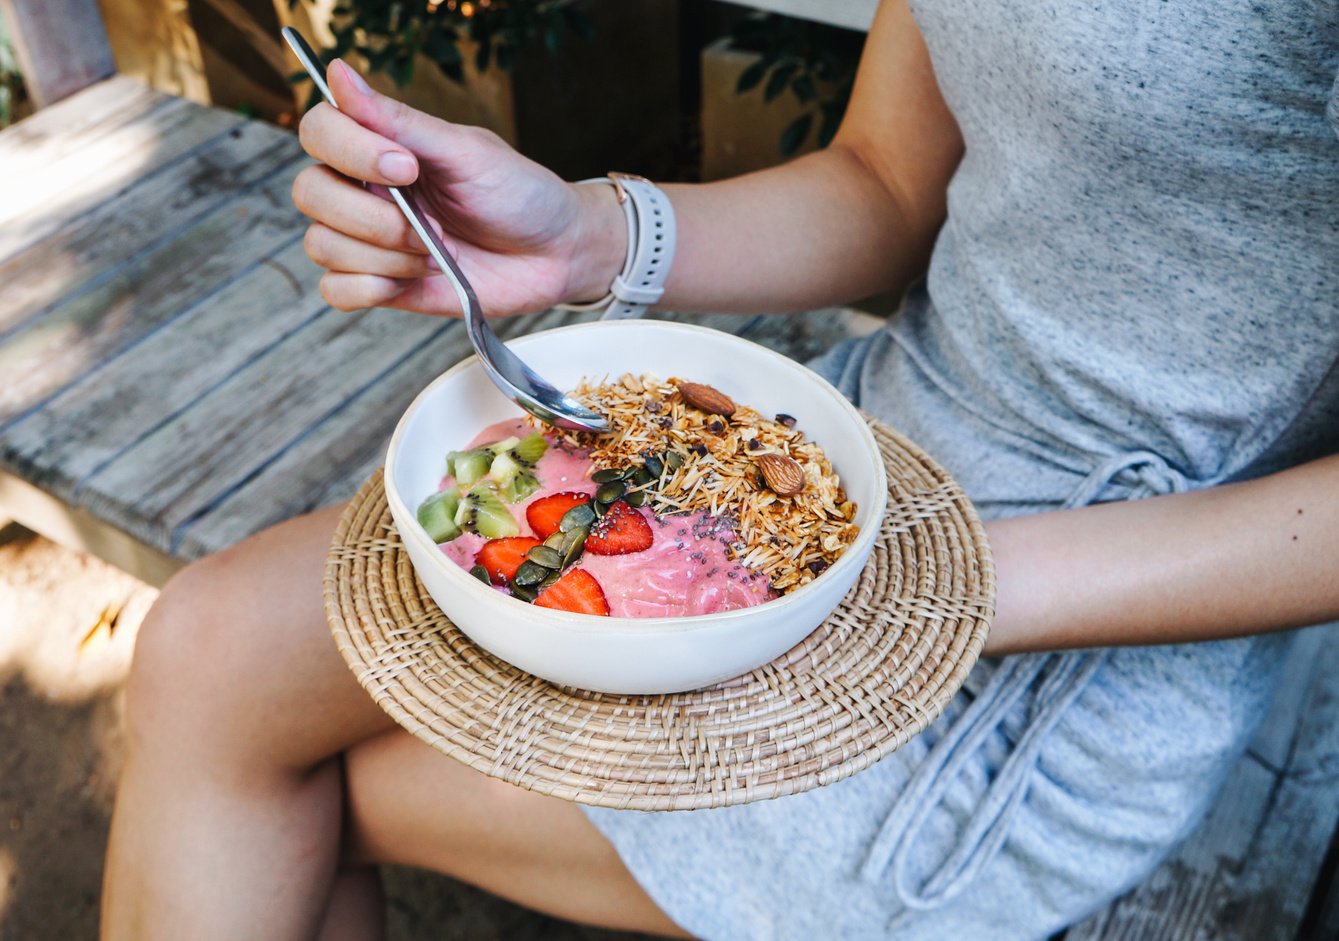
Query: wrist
[{"x": 599, "y": 244}]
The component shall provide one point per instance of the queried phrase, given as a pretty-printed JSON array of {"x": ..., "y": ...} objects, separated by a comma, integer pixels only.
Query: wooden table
[{"x": 170, "y": 382}]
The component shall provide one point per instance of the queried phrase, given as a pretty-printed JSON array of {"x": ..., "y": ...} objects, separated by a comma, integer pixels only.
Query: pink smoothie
[{"x": 685, "y": 572}]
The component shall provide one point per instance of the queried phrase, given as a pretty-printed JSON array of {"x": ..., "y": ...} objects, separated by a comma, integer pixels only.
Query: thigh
[
  {"x": 236, "y": 657},
  {"x": 410, "y": 805}
]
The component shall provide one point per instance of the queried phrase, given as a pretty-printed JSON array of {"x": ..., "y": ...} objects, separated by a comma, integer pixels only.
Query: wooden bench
[{"x": 171, "y": 382}]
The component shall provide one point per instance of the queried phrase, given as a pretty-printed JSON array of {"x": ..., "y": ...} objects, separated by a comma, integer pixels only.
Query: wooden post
[{"x": 61, "y": 46}]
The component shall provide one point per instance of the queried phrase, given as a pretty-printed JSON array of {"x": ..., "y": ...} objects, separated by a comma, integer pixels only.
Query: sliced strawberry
[
  {"x": 502, "y": 557},
  {"x": 545, "y": 513},
  {"x": 576, "y": 591},
  {"x": 621, "y": 530}
]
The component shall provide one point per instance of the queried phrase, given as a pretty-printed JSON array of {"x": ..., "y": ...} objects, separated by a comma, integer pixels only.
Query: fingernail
[
  {"x": 356, "y": 80},
  {"x": 397, "y": 167}
]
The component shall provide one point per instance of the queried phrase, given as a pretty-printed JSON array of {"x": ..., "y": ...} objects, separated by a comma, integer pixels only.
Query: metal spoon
[{"x": 514, "y": 378}]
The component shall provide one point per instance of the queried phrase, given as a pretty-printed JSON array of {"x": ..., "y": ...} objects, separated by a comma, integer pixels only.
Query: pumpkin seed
[
  {"x": 481, "y": 573},
  {"x": 544, "y": 555},
  {"x": 556, "y": 540},
  {"x": 530, "y": 573},
  {"x": 572, "y": 551},
  {"x": 583, "y": 514},
  {"x": 608, "y": 474},
  {"x": 673, "y": 460},
  {"x": 550, "y": 580},
  {"x": 638, "y": 497},
  {"x": 524, "y": 592},
  {"x": 655, "y": 465},
  {"x": 644, "y": 476},
  {"x": 610, "y": 492}
]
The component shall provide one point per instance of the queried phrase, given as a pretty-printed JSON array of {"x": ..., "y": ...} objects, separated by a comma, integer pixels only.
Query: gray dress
[{"x": 1136, "y": 292}]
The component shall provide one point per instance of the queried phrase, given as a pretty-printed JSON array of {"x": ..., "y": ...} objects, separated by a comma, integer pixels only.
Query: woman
[{"x": 1132, "y": 293}]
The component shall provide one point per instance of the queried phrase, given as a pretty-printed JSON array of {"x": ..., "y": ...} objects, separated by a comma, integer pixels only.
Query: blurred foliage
[
  {"x": 815, "y": 61},
  {"x": 388, "y": 34},
  {"x": 11, "y": 82}
]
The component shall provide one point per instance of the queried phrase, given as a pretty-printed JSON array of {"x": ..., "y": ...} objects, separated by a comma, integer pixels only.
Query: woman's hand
[{"x": 524, "y": 237}]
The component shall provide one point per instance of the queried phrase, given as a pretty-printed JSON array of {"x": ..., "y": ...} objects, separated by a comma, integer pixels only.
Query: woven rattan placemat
[{"x": 877, "y": 672}]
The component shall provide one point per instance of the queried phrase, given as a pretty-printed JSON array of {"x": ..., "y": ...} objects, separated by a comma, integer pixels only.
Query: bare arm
[
  {"x": 843, "y": 223},
  {"x": 846, "y": 222},
  {"x": 1238, "y": 559}
]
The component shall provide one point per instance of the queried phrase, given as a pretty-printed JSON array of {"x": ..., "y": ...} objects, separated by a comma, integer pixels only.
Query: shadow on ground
[{"x": 67, "y": 626}]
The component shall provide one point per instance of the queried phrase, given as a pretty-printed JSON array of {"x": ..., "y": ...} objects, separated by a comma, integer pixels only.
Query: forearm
[
  {"x": 1238, "y": 559},
  {"x": 817, "y": 231},
  {"x": 857, "y": 218}
]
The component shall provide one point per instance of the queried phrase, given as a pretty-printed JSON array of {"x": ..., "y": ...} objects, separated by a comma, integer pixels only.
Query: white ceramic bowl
[{"x": 632, "y": 655}]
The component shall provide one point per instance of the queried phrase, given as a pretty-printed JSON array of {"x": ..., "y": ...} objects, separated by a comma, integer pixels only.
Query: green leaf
[
  {"x": 803, "y": 87},
  {"x": 795, "y": 133},
  {"x": 402, "y": 70},
  {"x": 827, "y": 128},
  {"x": 777, "y": 81},
  {"x": 751, "y": 77}
]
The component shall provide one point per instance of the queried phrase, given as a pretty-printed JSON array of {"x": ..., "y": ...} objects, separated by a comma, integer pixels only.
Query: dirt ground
[{"x": 67, "y": 631}]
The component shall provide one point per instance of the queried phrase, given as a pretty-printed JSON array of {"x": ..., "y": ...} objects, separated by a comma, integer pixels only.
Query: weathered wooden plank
[
  {"x": 42, "y": 200},
  {"x": 72, "y": 115},
  {"x": 86, "y": 425},
  {"x": 40, "y": 275},
  {"x": 1246, "y": 874},
  {"x": 331, "y": 462},
  {"x": 58, "y": 348},
  {"x": 80, "y": 530},
  {"x": 61, "y": 45},
  {"x": 75, "y": 123},
  {"x": 336, "y": 456},
  {"x": 197, "y": 457}
]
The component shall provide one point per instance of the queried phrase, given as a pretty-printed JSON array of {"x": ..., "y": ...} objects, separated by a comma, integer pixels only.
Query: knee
[{"x": 184, "y": 659}]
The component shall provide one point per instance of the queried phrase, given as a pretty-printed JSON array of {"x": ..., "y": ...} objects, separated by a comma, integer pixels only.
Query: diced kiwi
[
  {"x": 437, "y": 515},
  {"x": 529, "y": 449},
  {"x": 498, "y": 447},
  {"x": 518, "y": 487},
  {"x": 504, "y": 468},
  {"x": 468, "y": 467},
  {"x": 481, "y": 512}
]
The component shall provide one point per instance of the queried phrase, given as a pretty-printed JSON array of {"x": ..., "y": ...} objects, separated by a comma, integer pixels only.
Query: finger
[
  {"x": 357, "y": 291},
  {"x": 423, "y": 134},
  {"x": 338, "y": 252},
  {"x": 339, "y": 203},
  {"x": 337, "y": 139},
  {"x": 433, "y": 295}
]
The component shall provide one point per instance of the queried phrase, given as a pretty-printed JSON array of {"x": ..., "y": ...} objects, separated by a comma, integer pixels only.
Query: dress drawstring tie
[{"x": 1058, "y": 680}]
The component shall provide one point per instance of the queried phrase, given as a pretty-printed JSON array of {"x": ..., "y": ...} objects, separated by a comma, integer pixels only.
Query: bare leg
[
  {"x": 228, "y": 819},
  {"x": 410, "y": 805}
]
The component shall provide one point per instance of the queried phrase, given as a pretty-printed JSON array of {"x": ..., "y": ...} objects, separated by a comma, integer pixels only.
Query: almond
[
  {"x": 704, "y": 397},
  {"x": 783, "y": 474}
]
